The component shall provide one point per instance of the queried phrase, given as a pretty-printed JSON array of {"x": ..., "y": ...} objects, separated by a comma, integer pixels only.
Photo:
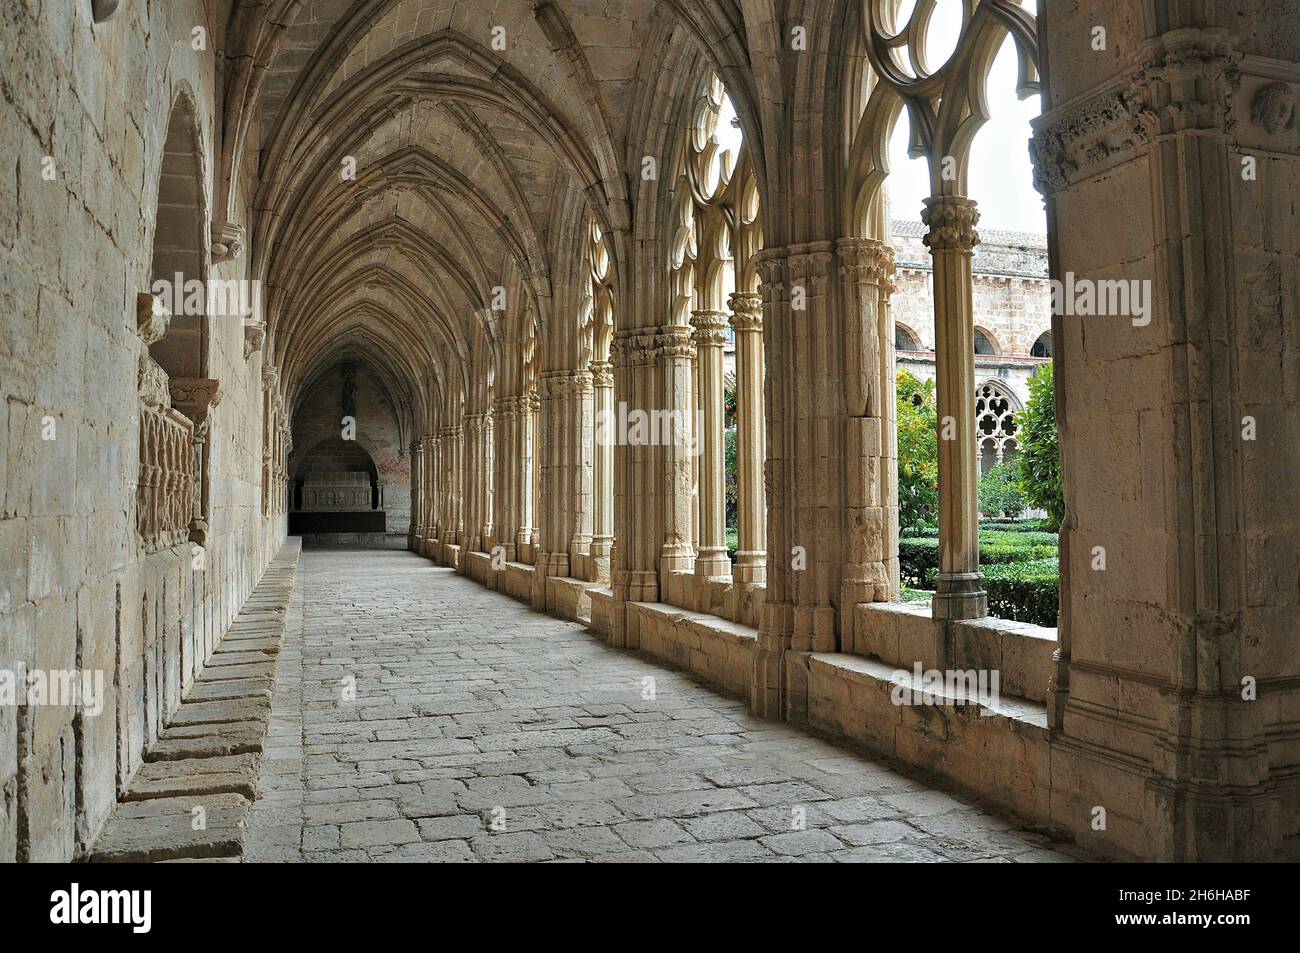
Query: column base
[
  {"x": 958, "y": 596},
  {"x": 750, "y": 568},
  {"x": 713, "y": 561}
]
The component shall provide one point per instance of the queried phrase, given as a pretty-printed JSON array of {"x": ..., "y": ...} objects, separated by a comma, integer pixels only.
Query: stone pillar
[
  {"x": 710, "y": 334},
  {"x": 602, "y": 380},
  {"x": 474, "y": 490},
  {"x": 951, "y": 238},
  {"x": 551, "y": 550},
  {"x": 674, "y": 435},
  {"x": 414, "y": 535},
  {"x": 509, "y": 474},
  {"x": 451, "y": 473},
  {"x": 768, "y": 688},
  {"x": 528, "y": 529},
  {"x": 870, "y": 517},
  {"x": 634, "y": 575},
  {"x": 751, "y": 508},
  {"x": 1174, "y": 703},
  {"x": 429, "y": 491}
]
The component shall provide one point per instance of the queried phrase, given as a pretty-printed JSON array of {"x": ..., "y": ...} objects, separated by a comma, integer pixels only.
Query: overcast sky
[{"x": 1001, "y": 177}]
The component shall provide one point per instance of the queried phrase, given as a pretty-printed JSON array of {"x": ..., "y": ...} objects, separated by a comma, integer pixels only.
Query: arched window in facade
[
  {"x": 1043, "y": 346},
  {"x": 984, "y": 344},
  {"x": 995, "y": 424},
  {"x": 904, "y": 339}
]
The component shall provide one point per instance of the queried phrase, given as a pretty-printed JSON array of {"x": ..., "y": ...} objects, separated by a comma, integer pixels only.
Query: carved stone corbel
[
  {"x": 254, "y": 338},
  {"x": 227, "y": 241},
  {"x": 151, "y": 318}
]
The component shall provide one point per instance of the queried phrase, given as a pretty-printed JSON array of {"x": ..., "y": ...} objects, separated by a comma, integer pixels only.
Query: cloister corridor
[
  {"x": 650, "y": 430},
  {"x": 472, "y": 710}
]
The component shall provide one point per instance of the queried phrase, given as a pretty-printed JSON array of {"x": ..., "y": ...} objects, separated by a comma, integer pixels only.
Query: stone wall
[
  {"x": 84, "y": 116},
  {"x": 317, "y": 425}
]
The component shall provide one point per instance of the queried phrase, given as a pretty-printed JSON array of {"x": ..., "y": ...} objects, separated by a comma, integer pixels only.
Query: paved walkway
[{"x": 481, "y": 730}]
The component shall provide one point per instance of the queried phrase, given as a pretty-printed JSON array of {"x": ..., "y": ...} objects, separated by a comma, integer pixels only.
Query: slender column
[
  {"x": 528, "y": 517},
  {"x": 428, "y": 490},
  {"x": 634, "y": 574},
  {"x": 870, "y": 541},
  {"x": 509, "y": 473},
  {"x": 415, "y": 533},
  {"x": 751, "y": 508},
  {"x": 602, "y": 379},
  {"x": 709, "y": 336},
  {"x": 675, "y": 437},
  {"x": 484, "y": 525},
  {"x": 553, "y": 556},
  {"x": 578, "y": 419},
  {"x": 951, "y": 238}
]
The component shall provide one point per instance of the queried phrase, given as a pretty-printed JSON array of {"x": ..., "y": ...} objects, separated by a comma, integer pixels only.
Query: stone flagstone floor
[{"x": 483, "y": 731}]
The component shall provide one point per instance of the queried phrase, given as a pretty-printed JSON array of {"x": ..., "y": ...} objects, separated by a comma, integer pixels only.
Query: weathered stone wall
[
  {"x": 318, "y": 420},
  {"x": 89, "y": 106},
  {"x": 1013, "y": 303}
]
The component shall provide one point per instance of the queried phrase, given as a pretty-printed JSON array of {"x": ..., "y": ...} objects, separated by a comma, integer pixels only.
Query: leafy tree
[
  {"x": 731, "y": 492},
  {"x": 918, "y": 452},
  {"x": 1039, "y": 460},
  {"x": 1000, "y": 491}
]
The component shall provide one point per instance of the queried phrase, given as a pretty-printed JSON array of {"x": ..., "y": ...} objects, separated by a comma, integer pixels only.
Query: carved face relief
[{"x": 1273, "y": 108}]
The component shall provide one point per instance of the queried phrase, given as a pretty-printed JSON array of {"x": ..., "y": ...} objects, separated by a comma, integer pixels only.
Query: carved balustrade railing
[{"x": 165, "y": 489}]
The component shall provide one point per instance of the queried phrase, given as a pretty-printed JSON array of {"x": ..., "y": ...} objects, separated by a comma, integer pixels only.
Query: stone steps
[{"x": 191, "y": 799}]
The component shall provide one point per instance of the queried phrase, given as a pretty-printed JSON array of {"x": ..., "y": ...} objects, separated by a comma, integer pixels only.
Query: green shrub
[
  {"x": 1024, "y": 591},
  {"x": 1020, "y": 570},
  {"x": 1000, "y": 492},
  {"x": 1039, "y": 460},
  {"x": 918, "y": 451}
]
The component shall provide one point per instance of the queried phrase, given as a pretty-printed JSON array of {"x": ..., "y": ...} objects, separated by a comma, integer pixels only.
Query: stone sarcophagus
[{"x": 338, "y": 492}]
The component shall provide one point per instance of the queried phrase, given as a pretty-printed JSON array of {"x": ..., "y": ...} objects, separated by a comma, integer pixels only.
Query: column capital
[
  {"x": 633, "y": 347},
  {"x": 950, "y": 220},
  {"x": 867, "y": 260},
  {"x": 672, "y": 341},
  {"x": 746, "y": 311},
  {"x": 710, "y": 328},
  {"x": 602, "y": 374}
]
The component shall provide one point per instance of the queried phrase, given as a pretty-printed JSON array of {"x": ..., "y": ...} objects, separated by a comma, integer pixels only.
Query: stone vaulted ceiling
[{"x": 472, "y": 127}]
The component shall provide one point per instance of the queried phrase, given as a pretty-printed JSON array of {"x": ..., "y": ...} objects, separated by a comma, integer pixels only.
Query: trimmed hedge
[
  {"x": 1020, "y": 569},
  {"x": 1026, "y": 592}
]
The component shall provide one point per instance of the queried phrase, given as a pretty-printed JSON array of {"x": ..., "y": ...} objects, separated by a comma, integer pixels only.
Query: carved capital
[
  {"x": 950, "y": 220},
  {"x": 746, "y": 311},
  {"x": 633, "y": 347},
  {"x": 674, "y": 342},
  {"x": 867, "y": 261},
  {"x": 227, "y": 241},
  {"x": 710, "y": 328},
  {"x": 602, "y": 374},
  {"x": 1186, "y": 79}
]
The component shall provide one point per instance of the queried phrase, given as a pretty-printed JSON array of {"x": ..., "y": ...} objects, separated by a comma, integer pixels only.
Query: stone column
[
  {"x": 509, "y": 473},
  {"x": 634, "y": 575},
  {"x": 1177, "y": 687},
  {"x": 602, "y": 379},
  {"x": 475, "y": 481},
  {"x": 709, "y": 336},
  {"x": 675, "y": 436},
  {"x": 429, "y": 491},
  {"x": 415, "y": 534},
  {"x": 528, "y": 529},
  {"x": 870, "y": 517},
  {"x": 751, "y": 507},
  {"x": 951, "y": 238}
]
